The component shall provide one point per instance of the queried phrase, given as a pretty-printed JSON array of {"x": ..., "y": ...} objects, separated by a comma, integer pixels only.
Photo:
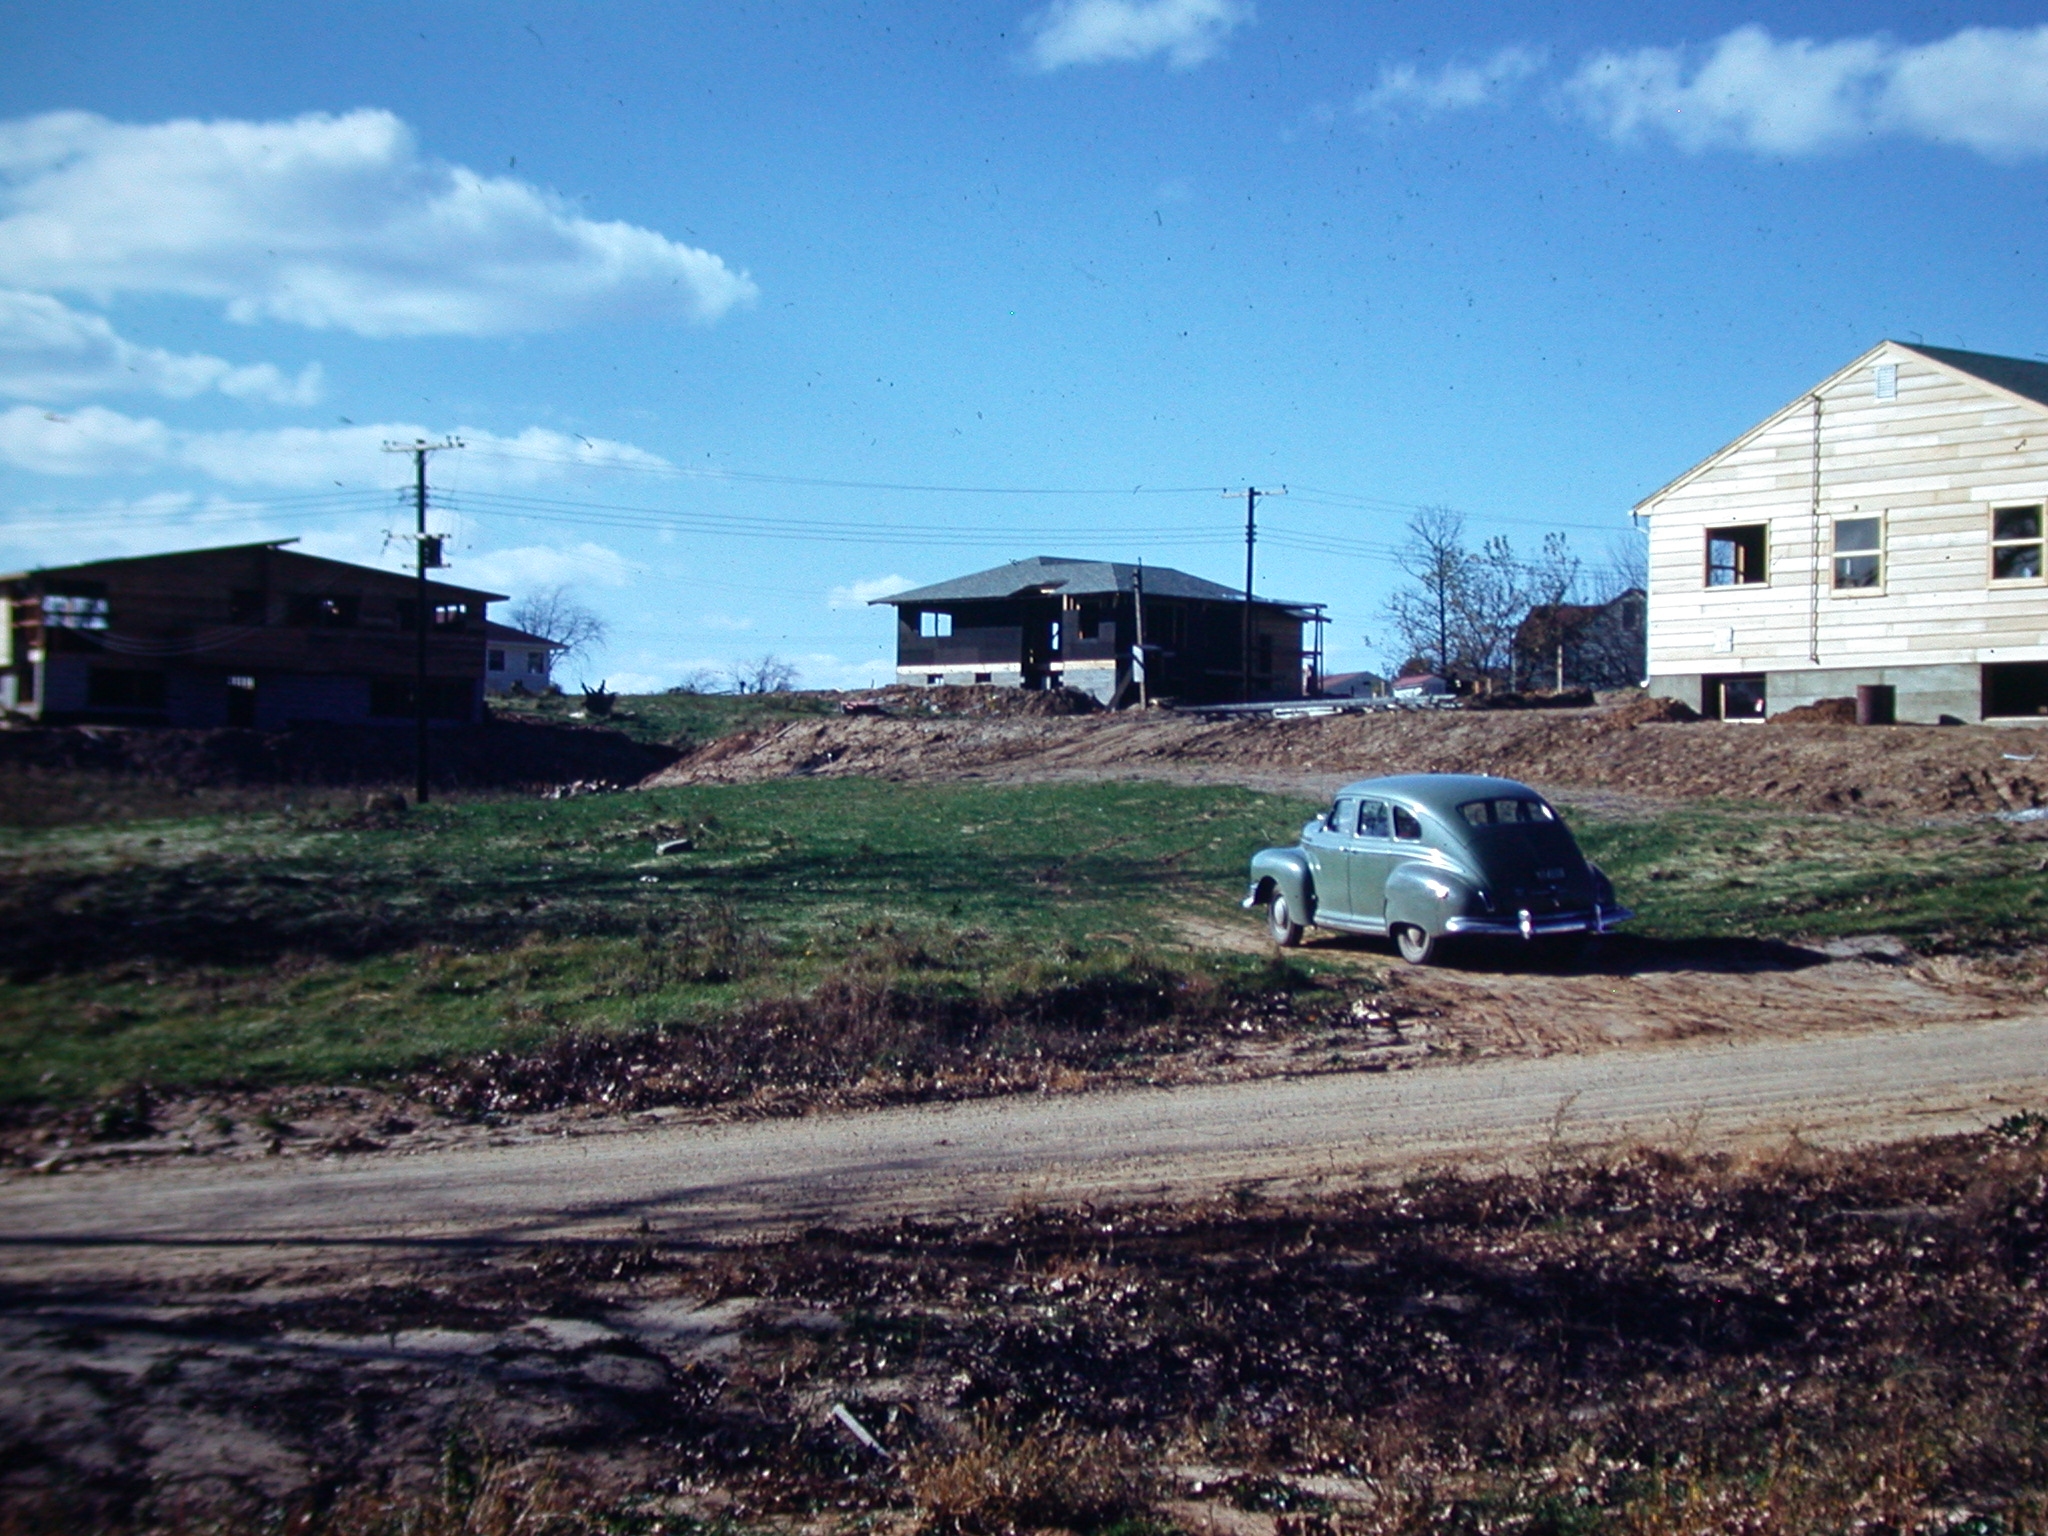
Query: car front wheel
[
  {"x": 1416, "y": 945},
  {"x": 1280, "y": 922}
]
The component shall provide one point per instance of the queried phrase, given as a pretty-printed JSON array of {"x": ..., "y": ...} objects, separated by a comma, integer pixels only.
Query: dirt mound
[
  {"x": 501, "y": 754},
  {"x": 982, "y": 699},
  {"x": 1647, "y": 709},
  {"x": 1570, "y": 698},
  {"x": 1638, "y": 747},
  {"x": 1819, "y": 712}
]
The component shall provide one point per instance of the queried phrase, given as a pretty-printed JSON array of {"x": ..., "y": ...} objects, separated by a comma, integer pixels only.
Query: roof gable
[
  {"x": 2012, "y": 377},
  {"x": 316, "y": 566}
]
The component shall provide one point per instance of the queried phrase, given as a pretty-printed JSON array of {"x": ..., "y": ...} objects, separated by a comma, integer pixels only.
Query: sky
[{"x": 746, "y": 314}]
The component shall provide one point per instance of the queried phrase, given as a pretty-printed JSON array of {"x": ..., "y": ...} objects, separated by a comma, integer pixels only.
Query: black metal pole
[{"x": 422, "y": 617}]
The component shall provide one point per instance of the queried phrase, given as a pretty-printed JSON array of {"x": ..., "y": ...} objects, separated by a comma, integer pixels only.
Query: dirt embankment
[
  {"x": 1919, "y": 770},
  {"x": 502, "y": 754}
]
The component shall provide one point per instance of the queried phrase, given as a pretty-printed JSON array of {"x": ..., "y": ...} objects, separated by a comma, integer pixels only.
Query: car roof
[{"x": 1441, "y": 792}]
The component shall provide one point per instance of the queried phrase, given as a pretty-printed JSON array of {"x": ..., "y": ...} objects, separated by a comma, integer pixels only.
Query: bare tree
[
  {"x": 1463, "y": 607},
  {"x": 764, "y": 674},
  {"x": 555, "y": 614},
  {"x": 1434, "y": 560},
  {"x": 1627, "y": 567},
  {"x": 698, "y": 680}
]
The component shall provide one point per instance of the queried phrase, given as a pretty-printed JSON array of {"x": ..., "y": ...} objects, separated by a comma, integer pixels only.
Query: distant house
[
  {"x": 248, "y": 635},
  {"x": 516, "y": 662},
  {"x": 1354, "y": 685},
  {"x": 1049, "y": 622},
  {"x": 1888, "y": 528},
  {"x": 1584, "y": 645},
  {"x": 1420, "y": 685}
]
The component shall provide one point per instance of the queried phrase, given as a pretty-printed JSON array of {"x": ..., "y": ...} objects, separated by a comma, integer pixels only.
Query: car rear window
[
  {"x": 1506, "y": 811},
  {"x": 1405, "y": 824}
]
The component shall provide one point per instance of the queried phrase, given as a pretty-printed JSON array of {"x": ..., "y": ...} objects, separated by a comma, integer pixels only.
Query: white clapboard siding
[{"x": 1933, "y": 462}]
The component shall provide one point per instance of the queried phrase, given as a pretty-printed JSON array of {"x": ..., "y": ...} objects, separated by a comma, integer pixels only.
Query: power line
[{"x": 683, "y": 471}]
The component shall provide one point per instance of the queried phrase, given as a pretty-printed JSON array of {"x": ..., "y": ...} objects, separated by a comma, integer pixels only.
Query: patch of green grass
[
  {"x": 316, "y": 946},
  {"x": 1721, "y": 870},
  {"x": 276, "y": 948}
]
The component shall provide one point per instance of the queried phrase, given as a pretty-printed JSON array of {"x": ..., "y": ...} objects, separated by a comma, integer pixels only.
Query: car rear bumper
[{"x": 1524, "y": 925}]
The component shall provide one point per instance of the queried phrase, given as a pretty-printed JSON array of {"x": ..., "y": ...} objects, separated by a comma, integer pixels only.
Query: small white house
[
  {"x": 1354, "y": 685},
  {"x": 516, "y": 661},
  {"x": 1889, "y": 527}
]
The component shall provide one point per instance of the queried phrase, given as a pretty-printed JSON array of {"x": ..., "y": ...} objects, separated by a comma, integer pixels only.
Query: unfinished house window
[
  {"x": 933, "y": 679},
  {"x": 112, "y": 688},
  {"x": 536, "y": 663},
  {"x": 935, "y": 626},
  {"x": 495, "y": 661},
  {"x": 2015, "y": 689},
  {"x": 1738, "y": 697},
  {"x": 2016, "y": 544},
  {"x": 312, "y": 610},
  {"x": 1887, "y": 380},
  {"x": 1735, "y": 556},
  {"x": 1859, "y": 558},
  {"x": 72, "y": 611},
  {"x": 984, "y": 677}
]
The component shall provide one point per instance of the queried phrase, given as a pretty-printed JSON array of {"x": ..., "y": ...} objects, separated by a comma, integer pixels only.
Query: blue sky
[{"x": 668, "y": 268}]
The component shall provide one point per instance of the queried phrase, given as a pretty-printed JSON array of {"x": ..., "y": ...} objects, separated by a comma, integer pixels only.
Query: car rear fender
[
  {"x": 1285, "y": 870},
  {"x": 1428, "y": 895}
]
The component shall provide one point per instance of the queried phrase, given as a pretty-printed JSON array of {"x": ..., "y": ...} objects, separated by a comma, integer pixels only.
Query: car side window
[
  {"x": 1372, "y": 818},
  {"x": 1339, "y": 819},
  {"x": 1406, "y": 827}
]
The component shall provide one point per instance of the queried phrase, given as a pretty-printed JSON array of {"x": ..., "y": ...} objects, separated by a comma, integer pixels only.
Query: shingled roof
[
  {"x": 2010, "y": 373},
  {"x": 1042, "y": 574}
]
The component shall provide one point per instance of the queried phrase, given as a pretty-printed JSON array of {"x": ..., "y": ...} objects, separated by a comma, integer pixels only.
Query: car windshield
[{"x": 1506, "y": 811}]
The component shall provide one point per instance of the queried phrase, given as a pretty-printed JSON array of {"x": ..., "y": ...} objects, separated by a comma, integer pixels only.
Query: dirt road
[{"x": 698, "y": 1182}]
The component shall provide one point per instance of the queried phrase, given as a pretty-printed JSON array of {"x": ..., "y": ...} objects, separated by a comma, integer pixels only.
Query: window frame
[
  {"x": 2039, "y": 543},
  {"x": 934, "y": 624},
  {"x": 1763, "y": 532},
  {"x": 1836, "y": 555}
]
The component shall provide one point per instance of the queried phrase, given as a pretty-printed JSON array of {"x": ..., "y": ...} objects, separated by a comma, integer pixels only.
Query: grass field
[{"x": 317, "y": 946}]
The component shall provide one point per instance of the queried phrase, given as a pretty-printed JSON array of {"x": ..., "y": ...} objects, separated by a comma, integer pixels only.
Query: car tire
[
  {"x": 1416, "y": 945},
  {"x": 1280, "y": 922}
]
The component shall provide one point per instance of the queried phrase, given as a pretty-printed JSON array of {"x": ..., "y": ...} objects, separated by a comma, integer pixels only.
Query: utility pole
[
  {"x": 1251, "y": 536},
  {"x": 1138, "y": 650},
  {"x": 427, "y": 548}
]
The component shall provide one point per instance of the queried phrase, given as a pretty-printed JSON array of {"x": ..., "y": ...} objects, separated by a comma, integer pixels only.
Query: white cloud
[
  {"x": 96, "y": 441},
  {"x": 49, "y": 351},
  {"x": 1187, "y": 32},
  {"x": 326, "y": 221},
  {"x": 1402, "y": 88},
  {"x": 91, "y": 441},
  {"x": 530, "y": 567},
  {"x": 1985, "y": 88},
  {"x": 858, "y": 594}
]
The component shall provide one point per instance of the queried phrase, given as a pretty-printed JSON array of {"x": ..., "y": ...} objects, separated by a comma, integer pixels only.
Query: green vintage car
[{"x": 1428, "y": 856}]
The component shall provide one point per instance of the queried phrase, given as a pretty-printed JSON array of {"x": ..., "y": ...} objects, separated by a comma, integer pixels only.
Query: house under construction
[{"x": 1107, "y": 629}]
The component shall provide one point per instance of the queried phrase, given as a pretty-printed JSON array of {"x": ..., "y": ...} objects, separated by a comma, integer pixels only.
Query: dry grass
[{"x": 1642, "y": 1344}]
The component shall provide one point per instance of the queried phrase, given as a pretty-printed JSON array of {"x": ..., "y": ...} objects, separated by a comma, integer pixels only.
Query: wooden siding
[{"x": 1933, "y": 462}]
